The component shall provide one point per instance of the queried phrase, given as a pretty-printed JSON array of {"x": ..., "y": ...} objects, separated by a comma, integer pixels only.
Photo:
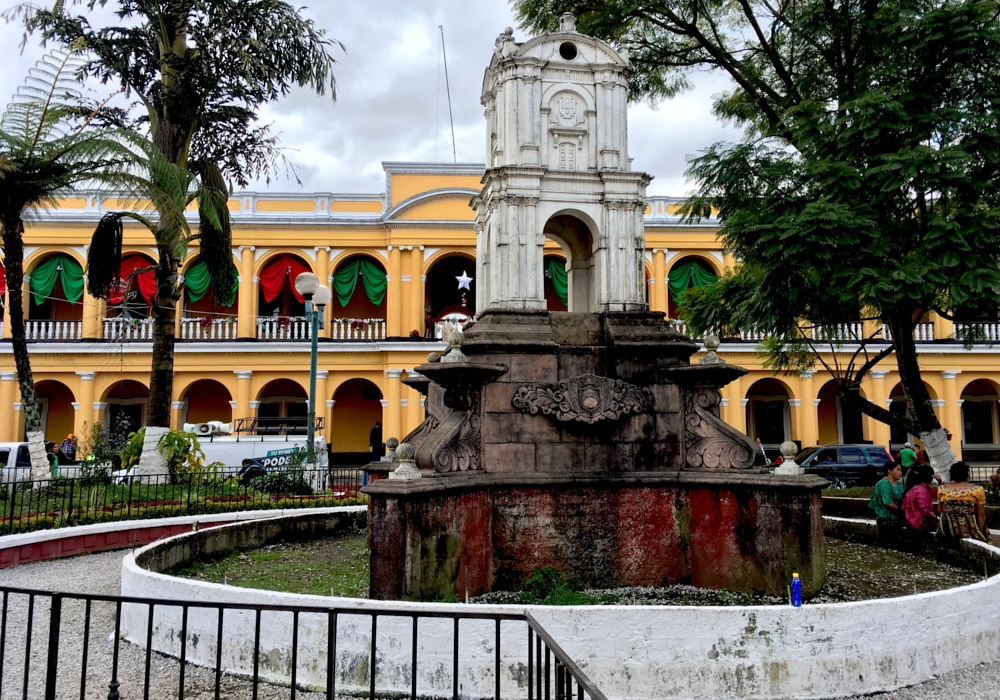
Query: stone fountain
[{"x": 585, "y": 441}]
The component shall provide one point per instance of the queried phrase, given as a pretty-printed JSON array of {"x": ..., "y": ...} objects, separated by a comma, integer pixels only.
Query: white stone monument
[{"x": 558, "y": 168}]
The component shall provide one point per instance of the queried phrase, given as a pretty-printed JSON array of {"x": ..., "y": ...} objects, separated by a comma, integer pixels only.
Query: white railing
[
  {"x": 357, "y": 329},
  {"x": 127, "y": 330},
  {"x": 845, "y": 332},
  {"x": 283, "y": 328},
  {"x": 755, "y": 337},
  {"x": 991, "y": 331},
  {"x": 53, "y": 330},
  {"x": 208, "y": 329},
  {"x": 923, "y": 333}
]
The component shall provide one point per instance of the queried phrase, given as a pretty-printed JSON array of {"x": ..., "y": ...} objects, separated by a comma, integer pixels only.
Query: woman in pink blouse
[{"x": 918, "y": 504}]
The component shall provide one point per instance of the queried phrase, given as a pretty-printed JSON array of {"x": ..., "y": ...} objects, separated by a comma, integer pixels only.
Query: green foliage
[
  {"x": 181, "y": 450},
  {"x": 548, "y": 587},
  {"x": 288, "y": 481}
]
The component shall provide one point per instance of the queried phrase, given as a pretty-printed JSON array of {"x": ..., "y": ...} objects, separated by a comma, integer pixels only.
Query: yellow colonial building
[{"x": 402, "y": 265}]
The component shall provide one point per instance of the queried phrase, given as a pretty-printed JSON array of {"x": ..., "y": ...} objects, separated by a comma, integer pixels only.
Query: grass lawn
[{"x": 336, "y": 566}]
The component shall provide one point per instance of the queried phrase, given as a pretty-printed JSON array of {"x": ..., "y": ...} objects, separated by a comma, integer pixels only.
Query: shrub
[{"x": 548, "y": 587}]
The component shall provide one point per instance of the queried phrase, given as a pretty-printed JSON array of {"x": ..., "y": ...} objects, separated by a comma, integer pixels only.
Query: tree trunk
[
  {"x": 918, "y": 400},
  {"x": 13, "y": 245}
]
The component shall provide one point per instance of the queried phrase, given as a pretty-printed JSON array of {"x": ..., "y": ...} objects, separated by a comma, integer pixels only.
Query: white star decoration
[{"x": 464, "y": 281}]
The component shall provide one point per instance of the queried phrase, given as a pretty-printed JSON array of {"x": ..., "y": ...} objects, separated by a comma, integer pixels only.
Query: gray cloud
[{"x": 392, "y": 104}]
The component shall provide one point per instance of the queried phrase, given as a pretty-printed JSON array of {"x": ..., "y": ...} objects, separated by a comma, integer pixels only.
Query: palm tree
[
  {"x": 46, "y": 147},
  {"x": 200, "y": 71}
]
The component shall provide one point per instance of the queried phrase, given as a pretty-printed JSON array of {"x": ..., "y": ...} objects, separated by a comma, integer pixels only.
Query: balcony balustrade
[
  {"x": 128, "y": 330},
  {"x": 207, "y": 329},
  {"x": 53, "y": 330},
  {"x": 357, "y": 329},
  {"x": 990, "y": 330},
  {"x": 923, "y": 333},
  {"x": 283, "y": 328}
]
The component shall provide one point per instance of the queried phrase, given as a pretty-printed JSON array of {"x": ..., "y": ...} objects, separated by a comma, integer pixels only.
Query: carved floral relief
[{"x": 586, "y": 399}]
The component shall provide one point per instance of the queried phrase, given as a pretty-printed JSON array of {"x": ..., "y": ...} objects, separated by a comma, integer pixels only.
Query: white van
[{"x": 15, "y": 464}]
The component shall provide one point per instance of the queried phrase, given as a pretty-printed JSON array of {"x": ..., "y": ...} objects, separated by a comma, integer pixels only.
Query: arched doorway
[
  {"x": 768, "y": 416},
  {"x": 126, "y": 411},
  {"x": 450, "y": 293},
  {"x": 357, "y": 406},
  {"x": 358, "y": 307},
  {"x": 207, "y": 400},
  {"x": 132, "y": 296},
  {"x": 284, "y": 408},
  {"x": 58, "y": 415},
  {"x": 575, "y": 238},
  {"x": 556, "y": 283},
  {"x": 55, "y": 302},
  {"x": 980, "y": 424},
  {"x": 838, "y": 424},
  {"x": 276, "y": 291},
  {"x": 207, "y": 316},
  {"x": 686, "y": 272}
]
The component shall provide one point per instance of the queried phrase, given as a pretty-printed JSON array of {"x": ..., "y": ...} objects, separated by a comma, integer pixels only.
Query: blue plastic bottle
[{"x": 796, "y": 591}]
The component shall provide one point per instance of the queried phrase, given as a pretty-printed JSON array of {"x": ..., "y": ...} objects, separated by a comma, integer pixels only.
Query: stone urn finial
[
  {"x": 567, "y": 22},
  {"x": 454, "y": 352},
  {"x": 390, "y": 445},
  {"x": 711, "y": 356},
  {"x": 788, "y": 465},
  {"x": 407, "y": 468}
]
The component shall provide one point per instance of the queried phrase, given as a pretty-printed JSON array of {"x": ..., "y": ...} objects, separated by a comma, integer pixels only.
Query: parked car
[
  {"x": 15, "y": 464},
  {"x": 845, "y": 465}
]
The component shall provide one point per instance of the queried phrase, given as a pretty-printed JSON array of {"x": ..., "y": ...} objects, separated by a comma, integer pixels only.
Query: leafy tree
[
  {"x": 46, "y": 147},
  {"x": 200, "y": 70},
  {"x": 866, "y": 187}
]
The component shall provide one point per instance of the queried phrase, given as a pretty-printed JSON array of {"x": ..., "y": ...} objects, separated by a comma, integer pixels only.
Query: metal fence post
[{"x": 55, "y": 622}]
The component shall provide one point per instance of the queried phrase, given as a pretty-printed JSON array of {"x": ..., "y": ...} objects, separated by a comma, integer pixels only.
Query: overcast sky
[{"x": 392, "y": 104}]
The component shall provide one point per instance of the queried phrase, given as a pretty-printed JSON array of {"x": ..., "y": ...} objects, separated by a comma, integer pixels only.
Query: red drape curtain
[
  {"x": 146, "y": 279},
  {"x": 279, "y": 272},
  {"x": 3, "y": 280}
]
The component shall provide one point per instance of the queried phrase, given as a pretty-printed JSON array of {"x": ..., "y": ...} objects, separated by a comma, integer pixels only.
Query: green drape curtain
[
  {"x": 688, "y": 274},
  {"x": 560, "y": 279},
  {"x": 346, "y": 279},
  {"x": 62, "y": 268},
  {"x": 198, "y": 279}
]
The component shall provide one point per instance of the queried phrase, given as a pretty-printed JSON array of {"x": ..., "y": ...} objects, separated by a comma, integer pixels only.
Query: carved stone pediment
[{"x": 585, "y": 399}]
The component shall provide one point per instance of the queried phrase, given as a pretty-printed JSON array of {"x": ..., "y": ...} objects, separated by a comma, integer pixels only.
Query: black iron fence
[
  {"x": 63, "y": 645},
  {"x": 63, "y": 502}
]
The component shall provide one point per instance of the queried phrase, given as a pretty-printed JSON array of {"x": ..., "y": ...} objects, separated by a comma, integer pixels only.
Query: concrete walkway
[{"x": 101, "y": 573}]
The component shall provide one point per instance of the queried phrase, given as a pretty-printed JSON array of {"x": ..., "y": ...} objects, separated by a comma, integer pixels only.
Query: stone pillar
[
  {"x": 736, "y": 414},
  {"x": 323, "y": 272},
  {"x": 8, "y": 389},
  {"x": 242, "y": 393},
  {"x": 394, "y": 295},
  {"x": 254, "y": 405},
  {"x": 795, "y": 420},
  {"x": 99, "y": 408},
  {"x": 328, "y": 413},
  {"x": 85, "y": 414},
  {"x": 177, "y": 414},
  {"x": 321, "y": 375},
  {"x": 5, "y": 331},
  {"x": 18, "y": 416},
  {"x": 93, "y": 316},
  {"x": 246, "y": 317},
  {"x": 392, "y": 422},
  {"x": 951, "y": 415},
  {"x": 414, "y": 410},
  {"x": 808, "y": 417},
  {"x": 417, "y": 292},
  {"x": 881, "y": 432},
  {"x": 658, "y": 288},
  {"x": 406, "y": 292}
]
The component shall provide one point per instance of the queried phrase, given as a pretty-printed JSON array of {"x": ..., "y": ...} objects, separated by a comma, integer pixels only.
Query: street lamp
[{"x": 317, "y": 296}]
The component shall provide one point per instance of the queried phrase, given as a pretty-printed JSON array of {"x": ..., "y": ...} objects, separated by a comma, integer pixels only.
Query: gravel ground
[{"x": 100, "y": 573}]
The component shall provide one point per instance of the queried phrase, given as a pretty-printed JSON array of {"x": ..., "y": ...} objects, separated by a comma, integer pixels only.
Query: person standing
[
  {"x": 375, "y": 441},
  {"x": 52, "y": 451},
  {"x": 68, "y": 448},
  {"x": 887, "y": 498},
  {"x": 760, "y": 448},
  {"x": 907, "y": 456}
]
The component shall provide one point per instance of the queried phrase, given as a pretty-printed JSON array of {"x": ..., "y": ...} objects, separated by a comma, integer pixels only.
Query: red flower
[{"x": 994, "y": 478}]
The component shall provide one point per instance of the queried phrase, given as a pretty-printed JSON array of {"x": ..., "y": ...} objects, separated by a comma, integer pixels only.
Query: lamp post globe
[
  {"x": 322, "y": 296},
  {"x": 306, "y": 284}
]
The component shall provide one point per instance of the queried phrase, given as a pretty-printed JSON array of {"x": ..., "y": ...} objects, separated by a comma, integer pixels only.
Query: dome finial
[{"x": 567, "y": 22}]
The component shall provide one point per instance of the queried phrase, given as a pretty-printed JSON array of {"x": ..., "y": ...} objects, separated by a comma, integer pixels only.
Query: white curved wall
[{"x": 660, "y": 652}]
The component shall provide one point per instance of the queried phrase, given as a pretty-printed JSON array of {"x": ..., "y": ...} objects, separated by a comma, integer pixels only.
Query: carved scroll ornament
[
  {"x": 585, "y": 399},
  {"x": 708, "y": 442}
]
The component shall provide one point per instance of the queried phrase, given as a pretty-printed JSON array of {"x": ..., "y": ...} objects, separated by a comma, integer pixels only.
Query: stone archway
[
  {"x": 357, "y": 406},
  {"x": 56, "y": 400},
  {"x": 575, "y": 238},
  {"x": 207, "y": 400}
]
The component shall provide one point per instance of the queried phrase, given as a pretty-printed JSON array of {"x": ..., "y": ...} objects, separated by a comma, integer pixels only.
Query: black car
[{"x": 845, "y": 465}]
